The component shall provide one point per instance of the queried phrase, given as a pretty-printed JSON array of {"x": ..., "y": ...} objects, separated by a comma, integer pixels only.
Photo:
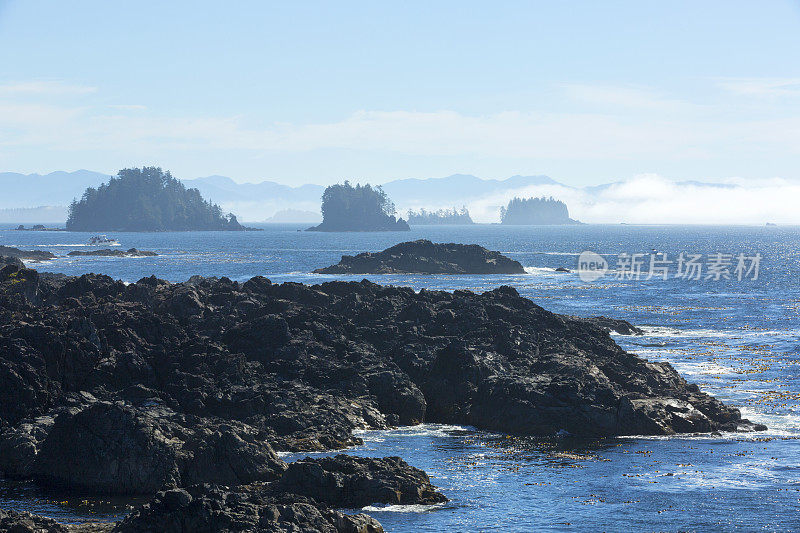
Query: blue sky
[{"x": 296, "y": 92}]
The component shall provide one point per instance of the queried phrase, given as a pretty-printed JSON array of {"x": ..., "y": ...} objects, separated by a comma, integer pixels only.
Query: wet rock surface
[
  {"x": 108, "y": 252},
  {"x": 135, "y": 388},
  {"x": 426, "y": 257}
]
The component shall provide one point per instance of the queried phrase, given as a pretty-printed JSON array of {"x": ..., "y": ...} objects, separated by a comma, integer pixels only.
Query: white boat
[{"x": 102, "y": 240}]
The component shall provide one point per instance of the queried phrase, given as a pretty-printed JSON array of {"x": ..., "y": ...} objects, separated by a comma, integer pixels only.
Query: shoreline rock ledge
[{"x": 425, "y": 257}]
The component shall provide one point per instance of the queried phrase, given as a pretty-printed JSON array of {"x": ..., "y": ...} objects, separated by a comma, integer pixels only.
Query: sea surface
[{"x": 738, "y": 339}]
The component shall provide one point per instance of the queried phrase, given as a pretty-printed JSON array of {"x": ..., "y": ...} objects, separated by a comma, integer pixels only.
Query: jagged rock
[
  {"x": 7, "y": 260},
  {"x": 617, "y": 325},
  {"x": 107, "y": 252},
  {"x": 23, "y": 522},
  {"x": 116, "y": 448},
  {"x": 426, "y": 257},
  {"x": 353, "y": 482},
  {"x": 212, "y": 509}
]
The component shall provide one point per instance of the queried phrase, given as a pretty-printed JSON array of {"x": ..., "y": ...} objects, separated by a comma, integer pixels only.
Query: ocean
[{"x": 739, "y": 339}]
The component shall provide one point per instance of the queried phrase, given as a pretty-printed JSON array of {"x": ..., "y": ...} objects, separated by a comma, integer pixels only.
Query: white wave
[
  {"x": 778, "y": 424},
  {"x": 421, "y": 430},
  {"x": 701, "y": 368},
  {"x": 415, "y": 508},
  {"x": 541, "y": 270},
  {"x": 576, "y": 254},
  {"x": 664, "y": 331}
]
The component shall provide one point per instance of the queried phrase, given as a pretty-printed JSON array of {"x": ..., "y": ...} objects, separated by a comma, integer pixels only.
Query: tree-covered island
[
  {"x": 359, "y": 208},
  {"x": 441, "y": 217},
  {"x": 147, "y": 199},
  {"x": 535, "y": 211}
]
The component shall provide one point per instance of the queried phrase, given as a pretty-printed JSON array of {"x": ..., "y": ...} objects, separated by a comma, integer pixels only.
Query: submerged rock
[
  {"x": 107, "y": 252},
  {"x": 426, "y": 257}
]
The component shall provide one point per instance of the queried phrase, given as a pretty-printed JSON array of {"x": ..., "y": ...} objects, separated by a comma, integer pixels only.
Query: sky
[{"x": 314, "y": 92}]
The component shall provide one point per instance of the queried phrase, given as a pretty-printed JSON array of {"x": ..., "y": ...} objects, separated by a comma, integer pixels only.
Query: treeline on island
[
  {"x": 535, "y": 211},
  {"x": 146, "y": 199},
  {"x": 358, "y": 208},
  {"x": 439, "y": 217}
]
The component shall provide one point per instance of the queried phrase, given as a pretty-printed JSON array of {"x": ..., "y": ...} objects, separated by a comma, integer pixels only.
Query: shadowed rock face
[
  {"x": 352, "y": 482},
  {"x": 211, "y": 509},
  {"x": 426, "y": 257},
  {"x": 123, "y": 388}
]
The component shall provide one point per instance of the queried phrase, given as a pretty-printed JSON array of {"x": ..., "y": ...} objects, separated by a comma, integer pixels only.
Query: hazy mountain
[
  {"x": 54, "y": 189},
  {"x": 630, "y": 201},
  {"x": 455, "y": 189},
  {"x": 259, "y": 201},
  {"x": 221, "y": 189},
  {"x": 50, "y": 215}
]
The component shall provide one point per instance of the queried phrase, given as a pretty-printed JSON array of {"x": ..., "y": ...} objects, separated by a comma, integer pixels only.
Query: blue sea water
[{"x": 739, "y": 340}]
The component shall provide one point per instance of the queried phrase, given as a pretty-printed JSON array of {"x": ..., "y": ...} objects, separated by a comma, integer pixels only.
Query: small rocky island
[
  {"x": 147, "y": 199},
  {"x": 359, "y": 208},
  {"x": 425, "y": 257},
  {"x": 28, "y": 255},
  {"x": 184, "y": 391},
  {"x": 108, "y": 252}
]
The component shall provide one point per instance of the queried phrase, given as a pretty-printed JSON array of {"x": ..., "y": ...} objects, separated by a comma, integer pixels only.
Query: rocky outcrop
[
  {"x": 107, "y": 252},
  {"x": 15, "y": 262},
  {"x": 28, "y": 255},
  {"x": 131, "y": 388},
  {"x": 303, "y": 499},
  {"x": 115, "y": 448},
  {"x": 426, "y": 257},
  {"x": 352, "y": 482},
  {"x": 615, "y": 325},
  {"x": 211, "y": 509}
]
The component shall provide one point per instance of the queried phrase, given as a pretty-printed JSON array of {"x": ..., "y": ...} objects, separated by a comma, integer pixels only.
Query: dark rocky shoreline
[
  {"x": 425, "y": 257},
  {"x": 28, "y": 255},
  {"x": 108, "y": 252},
  {"x": 139, "y": 388}
]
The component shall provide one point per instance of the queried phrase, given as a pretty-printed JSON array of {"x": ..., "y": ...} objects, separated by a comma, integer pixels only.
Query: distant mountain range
[
  {"x": 252, "y": 202},
  {"x": 44, "y": 198}
]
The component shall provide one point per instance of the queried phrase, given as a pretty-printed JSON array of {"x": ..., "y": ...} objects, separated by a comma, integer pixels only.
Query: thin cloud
[
  {"x": 762, "y": 87},
  {"x": 654, "y": 199},
  {"x": 42, "y": 88}
]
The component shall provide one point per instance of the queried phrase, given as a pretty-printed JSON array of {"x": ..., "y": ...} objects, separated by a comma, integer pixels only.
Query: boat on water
[{"x": 102, "y": 240}]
